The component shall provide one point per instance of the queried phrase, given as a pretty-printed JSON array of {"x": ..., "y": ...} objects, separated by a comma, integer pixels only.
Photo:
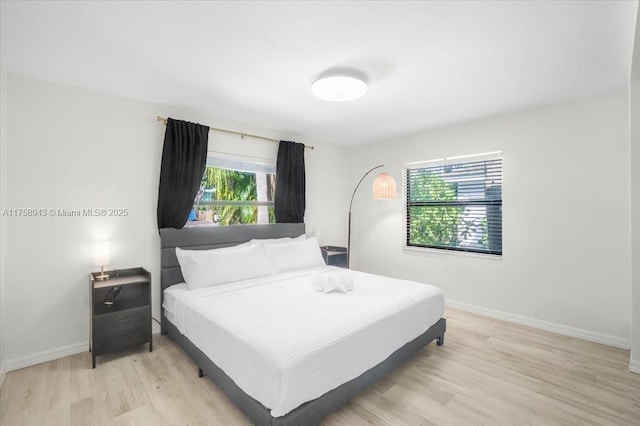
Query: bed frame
[{"x": 201, "y": 238}]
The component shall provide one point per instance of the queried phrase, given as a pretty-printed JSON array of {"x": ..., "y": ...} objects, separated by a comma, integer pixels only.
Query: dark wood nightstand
[
  {"x": 127, "y": 321},
  {"x": 335, "y": 256}
]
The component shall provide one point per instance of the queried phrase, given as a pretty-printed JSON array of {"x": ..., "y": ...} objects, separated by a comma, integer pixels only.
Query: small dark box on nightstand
[{"x": 335, "y": 256}]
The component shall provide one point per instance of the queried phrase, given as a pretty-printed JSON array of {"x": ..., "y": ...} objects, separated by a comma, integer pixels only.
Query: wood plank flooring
[{"x": 488, "y": 372}]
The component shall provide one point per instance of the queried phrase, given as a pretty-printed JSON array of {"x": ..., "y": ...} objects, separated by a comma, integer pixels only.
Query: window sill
[
  {"x": 199, "y": 223},
  {"x": 453, "y": 252}
]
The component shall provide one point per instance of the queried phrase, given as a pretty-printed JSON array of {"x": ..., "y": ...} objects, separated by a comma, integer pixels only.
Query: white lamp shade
[
  {"x": 384, "y": 187},
  {"x": 102, "y": 254}
]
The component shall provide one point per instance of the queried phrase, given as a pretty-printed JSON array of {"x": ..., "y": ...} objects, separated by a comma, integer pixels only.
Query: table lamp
[{"x": 102, "y": 258}]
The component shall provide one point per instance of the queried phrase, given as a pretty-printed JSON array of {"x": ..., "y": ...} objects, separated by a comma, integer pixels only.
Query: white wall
[
  {"x": 634, "y": 112},
  {"x": 3, "y": 139},
  {"x": 71, "y": 148},
  {"x": 327, "y": 195},
  {"x": 566, "y": 222}
]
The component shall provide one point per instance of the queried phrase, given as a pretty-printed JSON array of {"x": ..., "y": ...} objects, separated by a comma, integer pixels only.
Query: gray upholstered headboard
[{"x": 208, "y": 237}]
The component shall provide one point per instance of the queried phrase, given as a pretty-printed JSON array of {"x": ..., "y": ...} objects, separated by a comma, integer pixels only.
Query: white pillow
[
  {"x": 202, "y": 268},
  {"x": 282, "y": 240},
  {"x": 294, "y": 255}
]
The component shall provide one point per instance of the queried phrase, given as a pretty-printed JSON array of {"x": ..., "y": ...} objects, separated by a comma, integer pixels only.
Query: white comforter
[{"x": 285, "y": 344}]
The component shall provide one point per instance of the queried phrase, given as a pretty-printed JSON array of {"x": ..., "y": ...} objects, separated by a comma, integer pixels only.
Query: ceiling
[{"x": 428, "y": 64}]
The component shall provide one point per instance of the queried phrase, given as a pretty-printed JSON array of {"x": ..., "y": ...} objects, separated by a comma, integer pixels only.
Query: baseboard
[
  {"x": 579, "y": 333},
  {"x": 634, "y": 366},
  {"x": 39, "y": 358}
]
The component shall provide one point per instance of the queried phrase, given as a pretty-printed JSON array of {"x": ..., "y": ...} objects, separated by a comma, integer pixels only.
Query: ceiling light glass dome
[{"x": 339, "y": 88}]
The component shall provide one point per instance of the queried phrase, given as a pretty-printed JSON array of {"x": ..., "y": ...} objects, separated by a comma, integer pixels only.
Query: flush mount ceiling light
[{"x": 339, "y": 88}]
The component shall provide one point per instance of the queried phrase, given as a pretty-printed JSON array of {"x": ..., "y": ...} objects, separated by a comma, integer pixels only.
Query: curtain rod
[{"x": 233, "y": 132}]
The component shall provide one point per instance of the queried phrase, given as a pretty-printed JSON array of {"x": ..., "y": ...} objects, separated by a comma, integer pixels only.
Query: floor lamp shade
[{"x": 384, "y": 187}]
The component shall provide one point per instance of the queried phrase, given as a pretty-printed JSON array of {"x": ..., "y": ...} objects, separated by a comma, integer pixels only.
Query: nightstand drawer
[{"x": 121, "y": 329}]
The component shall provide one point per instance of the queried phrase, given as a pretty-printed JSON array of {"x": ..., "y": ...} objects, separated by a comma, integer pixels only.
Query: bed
[{"x": 282, "y": 367}]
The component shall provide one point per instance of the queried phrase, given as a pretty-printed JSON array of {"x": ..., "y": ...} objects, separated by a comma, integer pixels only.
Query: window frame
[{"x": 486, "y": 202}]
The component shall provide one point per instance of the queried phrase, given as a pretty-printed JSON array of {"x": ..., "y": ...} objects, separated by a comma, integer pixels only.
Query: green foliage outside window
[
  {"x": 456, "y": 206},
  {"x": 231, "y": 185},
  {"x": 433, "y": 225}
]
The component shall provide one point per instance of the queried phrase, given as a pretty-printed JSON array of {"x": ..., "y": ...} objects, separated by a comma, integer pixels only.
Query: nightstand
[
  {"x": 127, "y": 321},
  {"x": 335, "y": 256}
]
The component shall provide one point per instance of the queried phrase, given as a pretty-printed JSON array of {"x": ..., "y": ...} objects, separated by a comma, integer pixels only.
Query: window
[
  {"x": 455, "y": 204},
  {"x": 234, "y": 192}
]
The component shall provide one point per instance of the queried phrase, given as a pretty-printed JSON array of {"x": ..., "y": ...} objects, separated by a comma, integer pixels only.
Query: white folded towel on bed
[
  {"x": 332, "y": 282},
  {"x": 343, "y": 280},
  {"x": 319, "y": 281}
]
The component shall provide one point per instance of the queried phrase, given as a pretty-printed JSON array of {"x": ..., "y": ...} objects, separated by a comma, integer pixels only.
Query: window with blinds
[{"x": 455, "y": 204}]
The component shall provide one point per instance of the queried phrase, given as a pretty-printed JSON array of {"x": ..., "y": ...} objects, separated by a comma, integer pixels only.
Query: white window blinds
[{"x": 455, "y": 204}]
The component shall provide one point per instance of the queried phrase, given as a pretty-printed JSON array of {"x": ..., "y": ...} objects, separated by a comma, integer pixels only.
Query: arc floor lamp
[{"x": 384, "y": 187}]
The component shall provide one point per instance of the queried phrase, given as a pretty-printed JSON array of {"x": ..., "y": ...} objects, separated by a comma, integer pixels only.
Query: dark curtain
[
  {"x": 289, "y": 202},
  {"x": 184, "y": 157}
]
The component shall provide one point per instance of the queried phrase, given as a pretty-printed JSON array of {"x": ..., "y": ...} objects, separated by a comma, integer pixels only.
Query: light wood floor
[{"x": 488, "y": 372}]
